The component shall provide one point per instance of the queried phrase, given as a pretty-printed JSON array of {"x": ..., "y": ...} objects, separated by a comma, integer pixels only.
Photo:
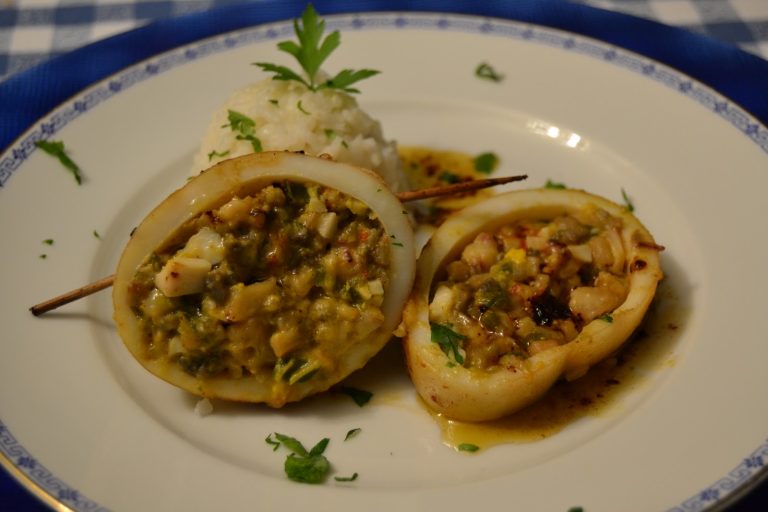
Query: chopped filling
[
  {"x": 283, "y": 280},
  {"x": 529, "y": 286}
]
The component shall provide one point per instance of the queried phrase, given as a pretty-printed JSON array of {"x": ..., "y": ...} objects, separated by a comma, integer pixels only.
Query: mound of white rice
[{"x": 288, "y": 116}]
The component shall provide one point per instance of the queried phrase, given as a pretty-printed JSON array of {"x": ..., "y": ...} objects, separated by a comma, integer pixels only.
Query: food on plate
[
  {"x": 267, "y": 278},
  {"x": 285, "y": 115},
  {"x": 520, "y": 289},
  {"x": 308, "y": 111}
]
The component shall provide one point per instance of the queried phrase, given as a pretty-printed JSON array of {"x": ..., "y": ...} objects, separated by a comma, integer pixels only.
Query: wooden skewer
[
  {"x": 456, "y": 188},
  {"x": 71, "y": 296},
  {"x": 405, "y": 197}
]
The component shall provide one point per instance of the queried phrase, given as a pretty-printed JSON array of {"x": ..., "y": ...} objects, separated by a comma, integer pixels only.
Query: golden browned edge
[{"x": 32, "y": 486}]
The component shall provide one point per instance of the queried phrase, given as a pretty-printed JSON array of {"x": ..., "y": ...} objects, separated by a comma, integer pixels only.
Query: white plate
[{"x": 90, "y": 427}]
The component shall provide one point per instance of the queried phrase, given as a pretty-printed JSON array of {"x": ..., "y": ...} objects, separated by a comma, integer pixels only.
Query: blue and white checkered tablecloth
[{"x": 34, "y": 30}]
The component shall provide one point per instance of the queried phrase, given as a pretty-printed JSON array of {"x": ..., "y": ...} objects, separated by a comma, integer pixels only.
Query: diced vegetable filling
[
  {"x": 283, "y": 280},
  {"x": 529, "y": 286}
]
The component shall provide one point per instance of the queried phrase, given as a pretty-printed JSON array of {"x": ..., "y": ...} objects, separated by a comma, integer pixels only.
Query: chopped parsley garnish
[
  {"x": 486, "y": 72},
  {"x": 468, "y": 447},
  {"x": 311, "y": 51},
  {"x": 301, "y": 109},
  {"x": 244, "y": 126},
  {"x": 360, "y": 396},
  {"x": 274, "y": 102},
  {"x": 56, "y": 149},
  {"x": 96, "y": 235},
  {"x": 43, "y": 256},
  {"x": 346, "y": 478},
  {"x": 554, "y": 185},
  {"x": 576, "y": 509},
  {"x": 449, "y": 177},
  {"x": 352, "y": 433},
  {"x": 48, "y": 241},
  {"x": 448, "y": 339},
  {"x": 309, "y": 467},
  {"x": 397, "y": 244},
  {"x": 275, "y": 444},
  {"x": 606, "y": 318},
  {"x": 216, "y": 154},
  {"x": 330, "y": 134},
  {"x": 627, "y": 201},
  {"x": 486, "y": 162}
]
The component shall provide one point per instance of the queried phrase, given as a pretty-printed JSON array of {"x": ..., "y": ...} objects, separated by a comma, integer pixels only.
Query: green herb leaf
[
  {"x": 56, "y": 149},
  {"x": 486, "y": 162},
  {"x": 301, "y": 109},
  {"x": 360, "y": 396},
  {"x": 275, "y": 444},
  {"x": 292, "y": 444},
  {"x": 346, "y": 478},
  {"x": 312, "y": 49},
  {"x": 606, "y": 318},
  {"x": 244, "y": 126},
  {"x": 397, "y": 244},
  {"x": 310, "y": 52},
  {"x": 48, "y": 241},
  {"x": 449, "y": 177},
  {"x": 96, "y": 235},
  {"x": 320, "y": 447},
  {"x": 301, "y": 465},
  {"x": 554, "y": 185},
  {"x": 216, "y": 154},
  {"x": 43, "y": 256},
  {"x": 576, "y": 509},
  {"x": 352, "y": 433},
  {"x": 240, "y": 122},
  {"x": 486, "y": 72},
  {"x": 308, "y": 470},
  {"x": 627, "y": 201},
  {"x": 448, "y": 340},
  {"x": 347, "y": 77},
  {"x": 274, "y": 102},
  {"x": 468, "y": 447},
  {"x": 282, "y": 73}
]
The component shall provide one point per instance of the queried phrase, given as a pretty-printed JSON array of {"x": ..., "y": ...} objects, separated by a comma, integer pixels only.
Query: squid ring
[
  {"x": 519, "y": 290},
  {"x": 267, "y": 278}
]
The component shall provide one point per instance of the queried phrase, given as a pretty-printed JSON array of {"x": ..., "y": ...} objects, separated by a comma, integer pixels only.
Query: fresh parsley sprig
[{"x": 310, "y": 52}]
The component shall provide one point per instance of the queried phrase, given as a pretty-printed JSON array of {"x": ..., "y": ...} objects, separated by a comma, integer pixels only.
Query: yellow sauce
[{"x": 426, "y": 167}]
